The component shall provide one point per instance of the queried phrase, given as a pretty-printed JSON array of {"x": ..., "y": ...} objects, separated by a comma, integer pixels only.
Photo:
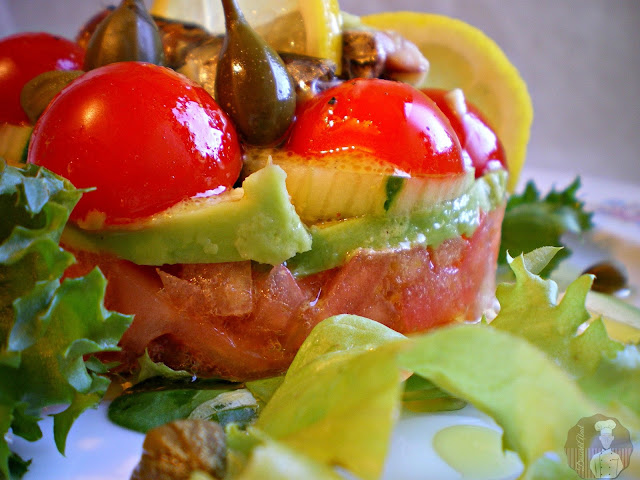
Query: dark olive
[
  {"x": 252, "y": 82},
  {"x": 38, "y": 92},
  {"x": 126, "y": 34},
  {"x": 609, "y": 277}
]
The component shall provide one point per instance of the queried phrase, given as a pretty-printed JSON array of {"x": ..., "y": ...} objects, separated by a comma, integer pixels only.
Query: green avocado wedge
[{"x": 256, "y": 222}]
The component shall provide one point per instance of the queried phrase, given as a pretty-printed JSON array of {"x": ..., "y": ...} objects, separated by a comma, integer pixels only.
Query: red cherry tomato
[
  {"x": 476, "y": 136},
  {"x": 26, "y": 55},
  {"x": 145, "y": 136},
  {"x": 392, "y": 120}
]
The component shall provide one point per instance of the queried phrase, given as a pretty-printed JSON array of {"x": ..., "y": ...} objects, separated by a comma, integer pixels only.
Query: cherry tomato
[
  {"x": 477, "y": 138},
  {"x": 392, "y": 120},
  {"x": 26, "y": 55},
  {"x": 145, "y": 136}
]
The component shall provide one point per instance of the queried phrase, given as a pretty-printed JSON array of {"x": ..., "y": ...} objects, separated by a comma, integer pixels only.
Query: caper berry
[
  {"x": 252, "y": 82},
  {"x": 126, "y": 34}
]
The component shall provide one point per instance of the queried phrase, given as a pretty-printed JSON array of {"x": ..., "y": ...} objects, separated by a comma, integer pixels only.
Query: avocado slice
[{"x": 255, "y": 222}]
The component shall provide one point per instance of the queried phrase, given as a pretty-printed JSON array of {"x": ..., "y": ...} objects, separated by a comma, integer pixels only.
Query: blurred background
[{"x": 580, "y": 59}]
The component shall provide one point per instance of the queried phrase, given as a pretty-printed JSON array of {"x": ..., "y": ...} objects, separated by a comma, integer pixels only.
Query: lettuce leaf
[
  {"x": 607, "y": 370},
  {"x": 529, "y": 308},
  {"x": 273, "y": 460},
  {"x": 616, "y": 381},
  {"x": 338, "y": 406},
  {"x": 341, "y": 396},
  {"x": 528, "y": 395},
  {"x": 49, "y": 329}
]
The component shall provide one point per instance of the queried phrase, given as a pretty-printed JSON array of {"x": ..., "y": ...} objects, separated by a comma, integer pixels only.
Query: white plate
[{"x": 99, "y": 450}]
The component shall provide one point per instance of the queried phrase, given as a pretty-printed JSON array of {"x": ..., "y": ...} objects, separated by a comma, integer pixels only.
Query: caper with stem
[
  {"x": 252, "y": 82},
  {"x": 129, "y": 33}
]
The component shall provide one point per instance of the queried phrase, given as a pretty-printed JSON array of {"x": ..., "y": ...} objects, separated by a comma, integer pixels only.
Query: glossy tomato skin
[
  {"x": 476, "y": 136},
  {"x": 26, "y": 55},
  {"x": 144, "y": 136},
  {"x": 391, "y": 120}
]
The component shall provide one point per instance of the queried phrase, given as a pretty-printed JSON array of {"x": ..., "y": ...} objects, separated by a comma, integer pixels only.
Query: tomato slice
[
  {"x": 144, "y": 136},
  {"x": 391, "y": 120},
  {"x": 476, "y": 136},
  {"x": 26, "y": 55}
]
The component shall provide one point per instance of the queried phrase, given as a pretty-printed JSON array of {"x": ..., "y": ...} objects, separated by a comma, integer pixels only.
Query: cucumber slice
[
  {"x": 353, "y": 185},
  {"x": 333, "y": 242},
  {"x": 14, "y": 142}
]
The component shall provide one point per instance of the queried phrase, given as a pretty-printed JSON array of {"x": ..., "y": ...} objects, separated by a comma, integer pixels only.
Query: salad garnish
[
  {"x": 534, "y": 391},
  {"x": 368, "y": 356},
  {"x": 50, "y": 328},
  {"x": 532, "y": 221}
]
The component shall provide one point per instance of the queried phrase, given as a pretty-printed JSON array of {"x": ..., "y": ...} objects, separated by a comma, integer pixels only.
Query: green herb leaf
[
  {"x": 532, "y": 221},
  {"x": 17, "y": 467},
  {"x": 150, "y": 369},
  {"x": 25, "y": 425},
  {"x": 159, "y": 400},
  {"x": 421, "y": 395},
  {"x": 264, "y": 389}
]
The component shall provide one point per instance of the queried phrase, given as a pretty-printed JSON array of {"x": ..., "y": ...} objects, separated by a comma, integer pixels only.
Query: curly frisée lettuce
[
  {"x": 49, "y": 328},
  {"x": 607, "y": 370}
]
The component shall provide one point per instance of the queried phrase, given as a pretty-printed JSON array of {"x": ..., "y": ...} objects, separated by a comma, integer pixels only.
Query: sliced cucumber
[
  {"x": 419, "y": 193},
  {"x": 352, "y": 185},
  {"x": 14, "y": 142},
  {"x": 333, "y": 242}
]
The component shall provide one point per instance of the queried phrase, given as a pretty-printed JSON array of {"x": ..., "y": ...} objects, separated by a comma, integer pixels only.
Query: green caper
[
  {"x": 38, "y": 92},
  {"x": 610, "y": 277},
  {"x": 252, "y": 82},
  {"x": 126, "y": 34}
]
